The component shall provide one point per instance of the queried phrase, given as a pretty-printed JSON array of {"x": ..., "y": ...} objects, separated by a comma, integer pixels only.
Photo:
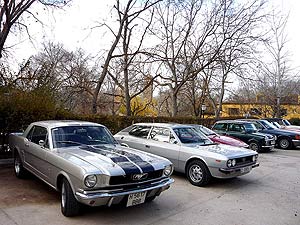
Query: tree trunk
[{"x": 174, "y": 105}]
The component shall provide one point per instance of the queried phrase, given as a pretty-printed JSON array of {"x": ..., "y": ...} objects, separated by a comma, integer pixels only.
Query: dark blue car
[{"x": 284, "y": 139}]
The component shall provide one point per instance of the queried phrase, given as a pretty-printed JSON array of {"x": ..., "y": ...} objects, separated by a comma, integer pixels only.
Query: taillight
[{"x": 297, "y": 136}]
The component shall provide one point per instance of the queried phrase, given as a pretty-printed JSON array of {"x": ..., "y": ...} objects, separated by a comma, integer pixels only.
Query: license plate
[
  {"x": 272, "y": 142},
  {"x": 246, "y": 169},
  {"x": 136, "y": 198}
]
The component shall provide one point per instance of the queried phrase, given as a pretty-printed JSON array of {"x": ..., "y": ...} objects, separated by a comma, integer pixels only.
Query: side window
[
  {"x": 236, "y": 127},
  {"x": 39, "y": 134},
  {"x": 160, "y": 134},
  {"x": 220, "y": 126},
  {"x": 140, "y": 131},
  {"x": 29, "y": 135},
  {"x": 258, "y": 126}
]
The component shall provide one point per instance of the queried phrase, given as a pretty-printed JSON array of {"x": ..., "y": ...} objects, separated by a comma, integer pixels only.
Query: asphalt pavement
[{"x": 269, "y": 195}]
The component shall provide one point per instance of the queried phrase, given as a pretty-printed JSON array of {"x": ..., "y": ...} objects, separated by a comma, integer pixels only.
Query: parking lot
[{"x": 270, "y": 194}]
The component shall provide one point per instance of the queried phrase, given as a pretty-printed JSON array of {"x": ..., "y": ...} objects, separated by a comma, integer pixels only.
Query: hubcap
[
  {"x": 254, "y": 147},
  {"x": 284, "y": 143},
  {"x": 63, "y": 196},
  {"x": 195, "y": 173}
]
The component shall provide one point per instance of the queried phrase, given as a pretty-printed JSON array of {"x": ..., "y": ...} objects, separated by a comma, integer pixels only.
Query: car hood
[
  {"x": 227, "y": 140},
  {"x": 113, "y": 160},
  {"x": 225, "y": 150}
]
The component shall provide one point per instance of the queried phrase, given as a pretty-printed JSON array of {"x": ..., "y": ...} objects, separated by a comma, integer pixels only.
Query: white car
[{"x": 190, "y": 151}]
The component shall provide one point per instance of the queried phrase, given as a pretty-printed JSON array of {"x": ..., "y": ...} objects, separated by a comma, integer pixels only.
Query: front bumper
[
  {"x": 296, "y": 143},
  {"x": 110, "y": 197},
  {"x": 233, "y": 172}
]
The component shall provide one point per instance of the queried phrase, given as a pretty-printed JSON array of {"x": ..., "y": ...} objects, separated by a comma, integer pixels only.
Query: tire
[
  {"x": 284, "y": 143},
  {"x": 255, "y": 146},
  {"x": 198, "y": 173},
  {"x": 150, "y": 199},
  {"x": 20, "y": 171},
  {"x": 69, "y": 205}
]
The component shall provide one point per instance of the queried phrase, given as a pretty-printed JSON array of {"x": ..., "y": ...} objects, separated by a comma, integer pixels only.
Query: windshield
[
  {"x": 81, "y": 135},
  {"x": 205, "y": 130},
  {"x": 189, "y": 135},
  {"x": 268, "y": 125}
]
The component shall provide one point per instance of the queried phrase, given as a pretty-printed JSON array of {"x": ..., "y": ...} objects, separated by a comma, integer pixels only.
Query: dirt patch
[{"x": 16, "y": 191}]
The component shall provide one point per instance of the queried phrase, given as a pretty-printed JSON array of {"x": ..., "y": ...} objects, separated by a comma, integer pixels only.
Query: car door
[
  {"x": 162, "y": 142},
  {"x": 238, "y": 131},
  {"x": 136, "y": 137},
  {"x": 37, "y": 146}
]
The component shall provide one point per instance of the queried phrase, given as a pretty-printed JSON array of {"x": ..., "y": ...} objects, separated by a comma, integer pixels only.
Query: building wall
[{"x": 258, "y": 110}]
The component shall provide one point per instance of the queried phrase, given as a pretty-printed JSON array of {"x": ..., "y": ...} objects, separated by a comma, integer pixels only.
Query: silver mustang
[
  {"x": 86, "y": 164},
  {"x": 190, "y": 151}
]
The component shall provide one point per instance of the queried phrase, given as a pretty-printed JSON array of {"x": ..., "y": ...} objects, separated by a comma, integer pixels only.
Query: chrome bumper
[
  {"x": 110, "y": 197},
  {"x": 237, "y": 169},
  {"x": 296, "y": 143}
]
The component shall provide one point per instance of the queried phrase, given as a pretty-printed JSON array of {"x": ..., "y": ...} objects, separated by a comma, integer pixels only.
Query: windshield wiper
[{"x": 70, "y": 142}]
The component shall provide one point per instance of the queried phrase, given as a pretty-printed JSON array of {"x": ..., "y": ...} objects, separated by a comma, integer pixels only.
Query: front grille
[
  {"x": 244, "y": 160},
  {"x": 116, "y": 180}
]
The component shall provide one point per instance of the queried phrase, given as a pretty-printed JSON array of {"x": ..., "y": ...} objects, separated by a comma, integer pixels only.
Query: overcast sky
[{"x": 71, "y": 27}]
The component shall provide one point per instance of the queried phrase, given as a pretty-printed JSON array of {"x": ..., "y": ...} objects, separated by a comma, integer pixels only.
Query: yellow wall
[{"x": 293, "y": 110}]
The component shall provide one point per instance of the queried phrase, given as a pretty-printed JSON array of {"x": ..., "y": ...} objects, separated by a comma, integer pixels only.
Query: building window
[{"x": 233, "y": 111}]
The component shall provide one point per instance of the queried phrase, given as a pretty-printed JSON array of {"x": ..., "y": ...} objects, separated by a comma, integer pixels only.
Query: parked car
[
  {"x": 84, "y": 162},
  {"x": 284, "y": 124},
  {"x": 190, "y": 151},
  {"x": 285, "y": 139},
  {"x": 221, "y": 139},
  {"x": 247, "y": 132}
]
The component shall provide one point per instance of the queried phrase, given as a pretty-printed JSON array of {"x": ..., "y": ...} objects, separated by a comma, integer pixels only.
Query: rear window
[{"x": 140, "y": 131}]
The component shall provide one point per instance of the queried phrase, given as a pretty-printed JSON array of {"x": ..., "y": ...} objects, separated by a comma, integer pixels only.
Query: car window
[
  {"x": 236, "y": 127},
  {"x": 160, "y": 134},
  {"x": 140, "y": 131},
  {"x": 189, "y": 135},
  {"x": 69, "y": 136},
  {"x": 258, "y": 126},
  {"x": 39, "y": 134},
  {"x": 29, "y": 135},
  {"x": 220, "y": 126}
]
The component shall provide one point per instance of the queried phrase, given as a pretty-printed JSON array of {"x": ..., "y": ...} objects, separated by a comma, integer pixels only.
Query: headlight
[
  {"x": 231, "y": 162},
  {"x": 168, "y": 170},
  {"x": 90, "y": 181}
]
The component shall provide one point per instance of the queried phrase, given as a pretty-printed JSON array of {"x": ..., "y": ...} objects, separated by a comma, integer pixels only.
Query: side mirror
[{"x": 41, "y": 143}]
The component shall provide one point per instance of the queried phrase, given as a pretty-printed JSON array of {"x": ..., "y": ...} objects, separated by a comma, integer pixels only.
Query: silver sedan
[{"x": 190, "y": 151}]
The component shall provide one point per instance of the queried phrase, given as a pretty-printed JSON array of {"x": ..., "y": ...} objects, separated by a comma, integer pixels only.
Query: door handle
[
  {"x": 122, "y": 138},
  {"x": 147, "y": 146},
  {"x": 26, "y": 145}
]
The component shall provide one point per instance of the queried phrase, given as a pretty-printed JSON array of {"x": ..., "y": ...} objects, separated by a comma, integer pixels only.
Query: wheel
[
  {"x": 198, "y": 173},
  {"x": 254, "y": 146},
  {"x": 20, "y": 171},
  {"x": 284, "y": 143},
  {"x": 69, "y": 205}
]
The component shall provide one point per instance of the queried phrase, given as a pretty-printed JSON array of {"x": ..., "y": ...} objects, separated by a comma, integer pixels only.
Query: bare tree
[
  {"x": 12, "y": 10},
  {"x": 194, "y": 33},
  {"x": 275, "y": 69},
  {"x": 126, "y": 16}
]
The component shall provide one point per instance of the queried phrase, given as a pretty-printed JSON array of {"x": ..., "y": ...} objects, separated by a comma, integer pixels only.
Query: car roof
[
  {"x": 167, "y": 125},
  {"x": 63, "y": 123},
  {"x": 233, "y": 121}
]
